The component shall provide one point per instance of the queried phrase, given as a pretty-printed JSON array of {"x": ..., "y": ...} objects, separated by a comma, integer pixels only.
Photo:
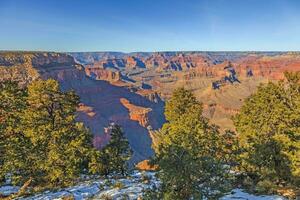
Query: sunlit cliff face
[
  {"x": 101, "y": 102},
  {"x": 162, "y": 72}
]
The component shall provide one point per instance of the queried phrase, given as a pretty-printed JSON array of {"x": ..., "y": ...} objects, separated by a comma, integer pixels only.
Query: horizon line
[{"x": 159, "y": 51}]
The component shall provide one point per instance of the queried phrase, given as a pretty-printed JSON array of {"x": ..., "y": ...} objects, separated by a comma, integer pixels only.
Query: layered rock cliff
[
  {"x": 130, "y": 89},
  {"x": 27, "y": 66},
  {"x": 98, "y": 73},
  {"x": 137, "y": 113},
  {"x": 266, "y": 64},
  {"x": 100, "y": 101},
  {"x": 221, "y": 80}
]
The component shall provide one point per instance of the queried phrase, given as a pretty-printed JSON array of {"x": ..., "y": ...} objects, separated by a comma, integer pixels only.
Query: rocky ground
[{"x": 131, "y": 187}]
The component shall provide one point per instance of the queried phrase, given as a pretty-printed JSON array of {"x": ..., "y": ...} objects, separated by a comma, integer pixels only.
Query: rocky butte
[{"x": 130, "y": 89}]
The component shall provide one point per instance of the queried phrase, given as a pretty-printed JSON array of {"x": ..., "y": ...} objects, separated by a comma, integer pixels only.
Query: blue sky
[{"x": 150, "y": 25}]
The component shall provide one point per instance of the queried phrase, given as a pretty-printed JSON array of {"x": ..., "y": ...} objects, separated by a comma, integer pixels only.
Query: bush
[
  {"x": 70, "y": 197},
  {"x": 269, "y": 131},
  {"x": 145, "y": 178},
  {"x": 152, "y": 193},
  {"x": 106, "y": 197},
  {"x": 266, "y": 187},
  {"x": 119, "y": 185},
  {"x": 40, "y": 125},
  {"x": 124, "y": 197},
  {"x": 108, "y": 182},
  {"x": 191, "y": 153}
]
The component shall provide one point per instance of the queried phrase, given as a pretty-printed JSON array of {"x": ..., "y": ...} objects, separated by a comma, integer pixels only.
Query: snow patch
[
  {"x": 131, "y": 187},
  {"x": 240, "y": 194},
  {"x": 8, "y": 190}
]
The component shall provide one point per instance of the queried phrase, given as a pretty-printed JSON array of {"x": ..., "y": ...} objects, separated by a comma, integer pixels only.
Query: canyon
[
  {"x": 101, "y": 102},
  {"x": 207, "y": 74},
  {"x": 131, "y": 88}
]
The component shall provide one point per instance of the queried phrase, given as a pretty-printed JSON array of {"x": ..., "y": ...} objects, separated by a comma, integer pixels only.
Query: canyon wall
[
  {"x": 101, "y": 102},
  {"x": 130, "y": 89},
  {"x": 207, "y": 74}
]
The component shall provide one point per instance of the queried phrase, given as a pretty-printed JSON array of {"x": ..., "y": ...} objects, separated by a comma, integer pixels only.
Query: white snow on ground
[
  {"x": 239, "y": 194},
  {"x": 131, "y": 188},
  {"x": 7, "y": 190}
]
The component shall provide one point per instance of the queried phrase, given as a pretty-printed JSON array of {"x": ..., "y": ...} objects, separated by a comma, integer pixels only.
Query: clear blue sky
[{"x": 149, "y": 25}]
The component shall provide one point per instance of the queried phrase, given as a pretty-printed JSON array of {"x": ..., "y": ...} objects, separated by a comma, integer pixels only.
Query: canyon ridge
[{"x": 130, "y": 89}]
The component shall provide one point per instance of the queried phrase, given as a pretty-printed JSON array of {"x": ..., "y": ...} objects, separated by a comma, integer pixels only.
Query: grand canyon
[
  {"x": 130, "y": 89},
  {"x": 149, "y": 100}
]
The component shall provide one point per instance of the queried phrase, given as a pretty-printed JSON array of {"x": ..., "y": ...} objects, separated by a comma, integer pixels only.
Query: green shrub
[
  {"x": 145, "y": 178},
  {"x": 106, "y": 197},
  {"x": 266, "y": 187},
  {"x": 119, "y": 185},
  {"x": 124, "y": 197},
  {"x": 268, "y": 129}
]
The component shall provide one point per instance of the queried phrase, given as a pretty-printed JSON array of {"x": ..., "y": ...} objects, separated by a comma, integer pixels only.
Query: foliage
[
  {"x": 145, "y": 178},
  {"x": 13, "y": 144},
  {"x": 45, "y": 132},
  {"x": 106, "y": 197},
  {"x": 266, "y": 186},
  {"x": 269, "y": 131},
  {"x": 119, "y": 185},
  {"x": 181, "y": 102},
  {"x": 152, "y": 193},
  {"x": 114, "y": 156},
  {"x": 190, "y": 152}
]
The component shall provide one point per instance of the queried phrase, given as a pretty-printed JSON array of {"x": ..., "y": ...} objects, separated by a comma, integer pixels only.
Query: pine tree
[
  {"x": 14, "y": 145},
  {"x": 190, "y": 152},
  {"x": 99, "y": 163},
  {"x": 114, "y": 156},
  {"x": 40, "y": 138},
  {"x": 119, "y": 151},
  {"x": 269, "y": 130},
  {"x": 60, "y": 145}
]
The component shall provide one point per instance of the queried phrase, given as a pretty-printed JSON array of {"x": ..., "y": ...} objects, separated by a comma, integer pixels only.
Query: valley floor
[{"x": 131, "y": 188}]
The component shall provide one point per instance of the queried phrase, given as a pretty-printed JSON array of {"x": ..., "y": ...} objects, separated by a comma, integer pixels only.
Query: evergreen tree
[
  {"x": 60, "y": 145},
  {"x": 190, "y": 152},
  {"x": 100, "y": 163},
  {"x": 269, "y": 130},
  {"x": 14, "y": 146},
  {"x": 40, "y": 139},
  {"x": 114, "y": 156},
  {"x": 119, "y": 150}
]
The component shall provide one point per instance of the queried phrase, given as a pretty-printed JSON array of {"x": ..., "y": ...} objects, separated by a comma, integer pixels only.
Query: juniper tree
[
  {"x": 14, "y": 146},
  {"x": 99, "y": 163},
  {"x": 60, "y": 144},
  {"x": 269, "y": 129},
  {"x": 114, "y": 157},
  {"x": 119, "y": 150},
  {"x": 40, "y": 138},
  {"x": 190, "y": 152}
]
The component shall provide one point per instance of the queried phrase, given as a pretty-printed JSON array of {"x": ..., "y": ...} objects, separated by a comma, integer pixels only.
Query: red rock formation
[
  {"x": 98, "y": 73},
  {"x": 137, "y": 113},
  {"x": 100, "y": 100},
  {"x": 165, "y": 71},
  {"x": 89, "y": 111},
  {"x": 27, "y": 66},
  {"x": 145, "y": 166},
  {"x": 125, "y": 100},
  {"x": 130, "y": 62},
  {"x": 160, "y": 61},
  {"x": 205, "y": 65},
  {"x": 150, "y": 94},
  {"x": 271, "y": 67}
]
